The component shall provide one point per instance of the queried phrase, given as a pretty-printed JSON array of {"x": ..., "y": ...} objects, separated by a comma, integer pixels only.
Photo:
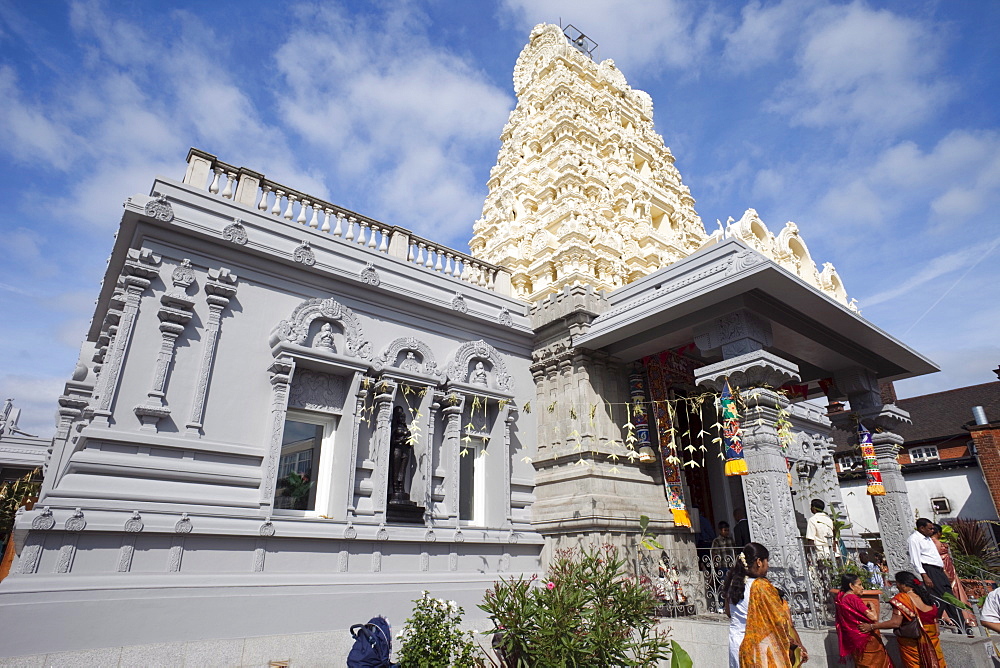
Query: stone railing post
[
  {"x": 247, "y": 186},
  {"x": 199, "y": 167}
]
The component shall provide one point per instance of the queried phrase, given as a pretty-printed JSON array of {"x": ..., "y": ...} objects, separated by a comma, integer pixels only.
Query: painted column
[
  {"x": 281, "y": 379},
  {"x": 385, "y": 391},
  {"x": 352, "y": 472},
  {"x": 741, "y": 336},
  {"x": 220, "y": 287},
  {"x": 451, "y": 446},
  {"x": 176, "y": 310},
  {"x": 139, "y": 270},
  {"x": 893, "y": 511},
  {"x": 427, "y": 469}
]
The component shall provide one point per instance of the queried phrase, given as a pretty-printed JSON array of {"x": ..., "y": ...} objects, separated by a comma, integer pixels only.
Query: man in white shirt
[
  {"x": 990, "y": 614},
  {"x": 819, "y": 530},
  {"x": 927, "y": 564}
]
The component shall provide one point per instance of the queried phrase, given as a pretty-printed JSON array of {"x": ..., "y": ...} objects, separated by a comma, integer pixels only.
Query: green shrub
[
  {"x": 587, "y": 612},
  {"x": 431, "y": 637}
]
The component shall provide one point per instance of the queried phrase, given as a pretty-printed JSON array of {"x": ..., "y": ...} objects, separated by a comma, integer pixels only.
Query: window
[
  {"x": 924, "y": 453},
  {"x": 304, "y": 464},
  {"x": 940, "y": 505},
  {"x": 472, "y": 483},
  {"x": 851, "y": 463}
]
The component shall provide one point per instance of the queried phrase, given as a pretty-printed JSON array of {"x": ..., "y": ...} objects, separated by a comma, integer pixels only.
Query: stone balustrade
[{"x": 253, "y": 190}]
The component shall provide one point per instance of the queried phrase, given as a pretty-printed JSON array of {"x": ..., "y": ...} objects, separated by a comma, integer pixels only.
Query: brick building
[{"x": 951, "y": 466}]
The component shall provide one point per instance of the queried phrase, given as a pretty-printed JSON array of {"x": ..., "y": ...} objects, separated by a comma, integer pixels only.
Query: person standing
[
  {"x": 866, "y": 648},
  {"x": 929, "y": 566},
  {"x": 957, "y": 587},
  {"x": 819, "y": 530},
  {"x": 741, "y": 532},
  {"x": 990, "y": 614},
  {"x": 760, "y": 629},
  {"x": 913, "y": 602},
  {"x": 874, "y": 572}
]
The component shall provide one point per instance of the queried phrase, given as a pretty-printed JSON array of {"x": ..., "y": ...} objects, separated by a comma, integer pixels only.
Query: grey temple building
[{"x": 288, "y": 417}]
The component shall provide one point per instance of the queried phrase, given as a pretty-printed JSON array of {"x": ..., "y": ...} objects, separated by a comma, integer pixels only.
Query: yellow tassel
[
  {"x": 876, "y": 490},
  {"x": 737, "y": 467},
  {"x": 681, "y": 517}
]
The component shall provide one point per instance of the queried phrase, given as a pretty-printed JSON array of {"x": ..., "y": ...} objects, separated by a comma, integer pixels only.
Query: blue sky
[{"x": 872, "y": 125}]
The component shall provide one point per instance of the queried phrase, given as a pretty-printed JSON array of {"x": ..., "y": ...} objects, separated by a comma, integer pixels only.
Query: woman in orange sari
[
  {"x": 770, "y": 640},
  {"x": 866, "y": 649},
  {"x": 913, "y": 601}
]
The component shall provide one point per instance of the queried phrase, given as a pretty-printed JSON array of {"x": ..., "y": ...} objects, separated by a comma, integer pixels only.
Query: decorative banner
[
  {"x": 662, "y": 374},
  {"x": 875, "y": 486},
  {"x": 732, "y": 435},
  {"x": 637, "y": 391}
]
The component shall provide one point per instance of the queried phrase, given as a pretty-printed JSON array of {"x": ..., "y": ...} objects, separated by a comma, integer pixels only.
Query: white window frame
[
  {"x": 324, "y": 468},
  {"x": 924, "y": 453}
]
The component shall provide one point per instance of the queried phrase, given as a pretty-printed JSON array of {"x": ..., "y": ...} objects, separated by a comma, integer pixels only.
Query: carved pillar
[
  {"x": 770, "y": 510},
  {"x": 281, "y": 378},
  {"x": 176, "y": 310},
  {"x": 509, "y": 420},
  {"x": 385, "y": 391},
  {"x": 352, "y": 471},
  {"x": 138, "y": 272},
  {"x": 893, "y": 511},
  {"x": 427, "y": 470},
  {"x": 220, "y": 287},
  {"x": 451, "y": 447}
]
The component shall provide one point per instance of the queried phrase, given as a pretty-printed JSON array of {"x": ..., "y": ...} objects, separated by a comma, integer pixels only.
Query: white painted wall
[{"x": 963, "y": 487}]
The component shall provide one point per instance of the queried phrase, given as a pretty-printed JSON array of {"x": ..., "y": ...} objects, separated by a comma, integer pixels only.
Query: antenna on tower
[{"x": 583, "y": 44}]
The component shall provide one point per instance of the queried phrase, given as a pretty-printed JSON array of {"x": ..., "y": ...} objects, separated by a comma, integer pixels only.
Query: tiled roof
[{"x": 939, "y": 415}]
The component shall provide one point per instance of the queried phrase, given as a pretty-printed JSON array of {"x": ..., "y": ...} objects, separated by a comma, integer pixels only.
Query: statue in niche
[
  {"x": 400, "y": 454},
  {"x": 478, "y": 375},
  {"x": 410, "y": 363},
  {"x": 324, "y": 338}
]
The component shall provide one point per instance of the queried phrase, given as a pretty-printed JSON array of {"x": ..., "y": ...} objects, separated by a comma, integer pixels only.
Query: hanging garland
[
  {"x": 732, "y": 435},
  {"x": 874, "y": 475}
]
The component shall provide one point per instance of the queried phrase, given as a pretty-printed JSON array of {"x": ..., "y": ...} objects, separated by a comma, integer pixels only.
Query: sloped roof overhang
[{"x": 661, "y": 311}]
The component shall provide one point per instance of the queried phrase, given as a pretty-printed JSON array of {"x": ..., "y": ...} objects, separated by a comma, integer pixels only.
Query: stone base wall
[{"x": 179, "y": 588}]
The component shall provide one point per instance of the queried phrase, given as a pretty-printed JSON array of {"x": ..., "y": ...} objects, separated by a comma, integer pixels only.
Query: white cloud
[
  {"x": 396, "y": 117},
  {"x": 26, "y": 131},
  {"x": 36, "y": 397},
  {"x": 866, "y": 69},
  {"x": 639, "y": 36},
  {"x": 765, "y": 33},
  {"x": 938, "y": 267}
]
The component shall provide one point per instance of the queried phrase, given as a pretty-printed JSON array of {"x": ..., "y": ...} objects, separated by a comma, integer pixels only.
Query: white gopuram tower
[{"x": 584, "y": 190}]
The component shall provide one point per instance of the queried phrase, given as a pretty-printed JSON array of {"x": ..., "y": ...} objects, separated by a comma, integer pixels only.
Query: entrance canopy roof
[{"x": 663, "y": 310}]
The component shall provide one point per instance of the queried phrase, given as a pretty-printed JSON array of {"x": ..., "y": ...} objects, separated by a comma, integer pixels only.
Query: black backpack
[{"x": 372, "y": 645}]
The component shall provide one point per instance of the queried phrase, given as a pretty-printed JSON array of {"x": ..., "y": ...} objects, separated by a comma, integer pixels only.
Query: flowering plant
[
  {"x": 588, "y": 612},
  {"x": 431, "y": 636}
]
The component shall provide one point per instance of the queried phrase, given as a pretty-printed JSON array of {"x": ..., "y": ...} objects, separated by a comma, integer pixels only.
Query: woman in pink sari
[{"x": 866, "y": 649}]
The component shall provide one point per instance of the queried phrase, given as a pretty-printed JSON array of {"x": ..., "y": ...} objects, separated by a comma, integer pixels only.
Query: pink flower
[{"x": 550, "y": 585}]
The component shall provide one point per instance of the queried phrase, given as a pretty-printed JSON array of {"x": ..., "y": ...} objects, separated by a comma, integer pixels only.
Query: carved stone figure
[
  {"x": 478, "y": 375},
  {"x": 410, "y": 363},
  {"x": 324, "y": 337},
  {"x": 400, "y": 454}
]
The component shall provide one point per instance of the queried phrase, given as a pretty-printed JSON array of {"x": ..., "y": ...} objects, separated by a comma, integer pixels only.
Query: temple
[{"x": 288, "y": 416}]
